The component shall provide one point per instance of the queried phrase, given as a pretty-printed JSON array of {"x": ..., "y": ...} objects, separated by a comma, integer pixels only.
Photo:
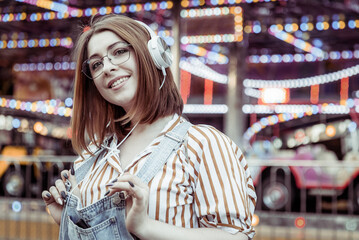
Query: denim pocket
[{"x": 107, "y": 229}]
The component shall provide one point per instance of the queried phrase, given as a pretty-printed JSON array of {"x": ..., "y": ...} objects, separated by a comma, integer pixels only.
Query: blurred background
[{"x": 280, "y": 77}]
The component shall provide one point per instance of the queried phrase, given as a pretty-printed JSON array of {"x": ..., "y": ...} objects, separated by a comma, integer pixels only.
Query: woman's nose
[{"x": 108, "y": 66}]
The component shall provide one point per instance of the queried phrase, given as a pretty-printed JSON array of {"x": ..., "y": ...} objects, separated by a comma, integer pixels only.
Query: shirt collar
[{"x": 114, "y": 160}]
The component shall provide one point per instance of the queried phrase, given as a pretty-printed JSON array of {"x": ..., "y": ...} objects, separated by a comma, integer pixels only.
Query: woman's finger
[
  {"x": 60, "y": 185},
  {"x": 69, "y": 180},
  {"x": 117, "y": 187},
  {"x": 139, "y": 192},
  {"x": 131, "y": 184},
  {"x": 65, "y": 174},
  {"x": 58, "y": 191},
  {"x": 47, "y": 197},
  {"x": 133, "y": 179},
  {"x": 72, "y": 177}
]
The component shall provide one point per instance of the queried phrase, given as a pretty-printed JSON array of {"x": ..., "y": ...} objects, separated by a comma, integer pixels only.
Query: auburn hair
[{"x": 94, "y": 118}]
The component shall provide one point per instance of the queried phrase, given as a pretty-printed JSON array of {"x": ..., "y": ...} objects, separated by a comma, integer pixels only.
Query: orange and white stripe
[{"x": 206, "y": 184}]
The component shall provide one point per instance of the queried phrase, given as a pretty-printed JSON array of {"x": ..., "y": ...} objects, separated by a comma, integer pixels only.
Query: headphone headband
[{"x": 149, "y": 30}]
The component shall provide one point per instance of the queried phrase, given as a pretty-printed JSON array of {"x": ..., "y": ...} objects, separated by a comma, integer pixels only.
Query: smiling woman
[{"x": 144, "y": 171}]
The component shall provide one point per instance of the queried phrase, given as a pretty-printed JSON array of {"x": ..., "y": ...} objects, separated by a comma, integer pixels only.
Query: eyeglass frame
[{"x": 85, "y": 67}]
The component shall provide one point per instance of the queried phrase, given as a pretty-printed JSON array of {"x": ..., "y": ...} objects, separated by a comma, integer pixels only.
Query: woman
[{"x": 125, "y": 103}]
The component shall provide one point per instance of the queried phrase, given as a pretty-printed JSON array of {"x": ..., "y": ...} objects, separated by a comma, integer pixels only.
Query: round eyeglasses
[{"x": 117, "y": 53}]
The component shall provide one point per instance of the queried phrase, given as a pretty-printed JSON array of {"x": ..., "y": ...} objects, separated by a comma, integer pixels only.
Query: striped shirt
[{"x": 207, "y": 182}]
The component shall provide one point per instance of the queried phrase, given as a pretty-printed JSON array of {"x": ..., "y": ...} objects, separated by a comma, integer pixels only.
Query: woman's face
[{"x": 116, "y": 82}]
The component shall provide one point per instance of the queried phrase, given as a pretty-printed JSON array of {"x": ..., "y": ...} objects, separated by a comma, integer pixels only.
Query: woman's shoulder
[
  {"x": 206, "y": 133},
  {"x": 204, "y": 136}
]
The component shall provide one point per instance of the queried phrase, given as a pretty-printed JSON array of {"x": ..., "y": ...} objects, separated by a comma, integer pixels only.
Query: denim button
[
  {"x": 116, "y": 201},
  {"x": 122, "y": 196}
]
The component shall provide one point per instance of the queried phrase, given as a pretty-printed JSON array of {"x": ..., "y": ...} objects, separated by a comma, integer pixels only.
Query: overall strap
[
  {"x": 86, "y": 166},
  {"x": 169, "y": 144}
]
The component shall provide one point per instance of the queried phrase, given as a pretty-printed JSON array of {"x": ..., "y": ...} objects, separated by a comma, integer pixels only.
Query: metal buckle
[{"x": 173, "y": 136}]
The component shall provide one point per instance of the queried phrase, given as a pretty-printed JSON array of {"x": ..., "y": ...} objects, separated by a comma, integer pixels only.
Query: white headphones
[{"x": 159, "y": 50}]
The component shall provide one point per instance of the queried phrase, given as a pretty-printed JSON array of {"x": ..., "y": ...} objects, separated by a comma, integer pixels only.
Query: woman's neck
[{"x": 156, "y": 126}]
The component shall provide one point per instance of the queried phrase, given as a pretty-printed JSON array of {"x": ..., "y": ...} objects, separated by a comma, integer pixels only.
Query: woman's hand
[
  {"x": 55, "y": 197},
  {"x": 139, "y": 224},
  {"x": 137, "y": 201}
]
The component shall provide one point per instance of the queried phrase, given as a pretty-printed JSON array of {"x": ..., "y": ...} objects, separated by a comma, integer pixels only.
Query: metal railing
[
  {"x": 27, "y": 176},
  {"x": 23, "y": 214},
  {"x": 296, "y": 199},
  {"x": 306, "y": 199}
]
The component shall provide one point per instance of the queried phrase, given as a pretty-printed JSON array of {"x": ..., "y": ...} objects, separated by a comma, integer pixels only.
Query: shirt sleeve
[{"x": 224, "y": 192}]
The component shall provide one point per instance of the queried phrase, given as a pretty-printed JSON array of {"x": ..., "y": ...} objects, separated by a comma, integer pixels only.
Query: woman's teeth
[{"x": 119, "y": 82}]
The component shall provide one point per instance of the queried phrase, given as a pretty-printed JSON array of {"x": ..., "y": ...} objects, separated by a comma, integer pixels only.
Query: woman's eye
[
  {"x": 120, "y": 51},
  {"x": 95, "y": 65}
]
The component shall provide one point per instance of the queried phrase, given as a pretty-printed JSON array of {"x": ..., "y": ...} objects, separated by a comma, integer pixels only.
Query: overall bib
[{"x": 105, "y": 219}]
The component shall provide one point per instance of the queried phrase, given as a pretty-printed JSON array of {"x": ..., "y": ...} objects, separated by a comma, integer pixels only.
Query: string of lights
[
  {"x": 299, "y": 43},
  {"x": 300, "y": 57},
  {"x": 338, "y": 22},
  {"x": 197, "y": 68},
  {"x": 52, "y": 107},
  {"x": 199, "y": 3},
  {"x": 48, "y": 66},
  {"x": 218, "y": 38},
  {"x": 77, "y": 13},
  {"x": 202, "y": 52},
  {"x": 324, "y": 108},
  {"x": 17, "y": 42},
  {"x": 205, "y": 109},
  {"x": 209, "y": 12},
  {"x": 202, "y": 59},
  {"x": 36, "y": 43},
  {"x": 302, "y": 82},
  {"x": 268, "y": 121},
  {"x": 64, "y": 108},
  {"x": 251, "y": 92},
  {"x": 50, "y": 5}
]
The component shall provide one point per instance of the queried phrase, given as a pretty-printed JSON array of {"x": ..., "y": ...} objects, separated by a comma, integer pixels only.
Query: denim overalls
[{"x": 105, "y": 219}]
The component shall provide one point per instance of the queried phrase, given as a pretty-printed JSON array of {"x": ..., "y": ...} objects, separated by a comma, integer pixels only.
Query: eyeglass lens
[{"x": 117, "y": 54}]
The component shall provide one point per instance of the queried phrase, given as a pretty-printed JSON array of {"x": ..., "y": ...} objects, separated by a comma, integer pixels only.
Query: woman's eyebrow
[{"x": 108, "y": 48}]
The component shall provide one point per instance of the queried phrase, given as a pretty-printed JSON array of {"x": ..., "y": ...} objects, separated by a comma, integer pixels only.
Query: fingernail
[
  {"x": 66, "y": 176},
  {"x": 113, "y": 181},
  {"x": 48, "y": 195},
  {"x": 63, "y": 194},
  {"x": 59, "y": 200},
  {"x": 109, "y": 185},
  {"x": 107, "y": 192},
  {"x": 72, "y": 170},
  {"x": 131, "y": 184}
]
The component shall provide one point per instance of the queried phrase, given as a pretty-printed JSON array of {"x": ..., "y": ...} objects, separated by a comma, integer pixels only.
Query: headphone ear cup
[{"x": 160, "y": 52}]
